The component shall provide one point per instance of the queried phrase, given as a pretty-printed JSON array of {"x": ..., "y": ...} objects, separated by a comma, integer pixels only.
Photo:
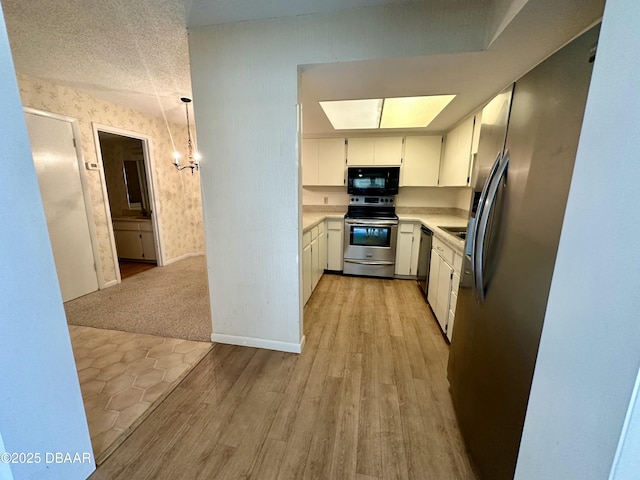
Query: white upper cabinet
[
  {"x": 456, "y": 162},
  {"x": 476, "y": 133},
  {"x": 331, "y": 161},
  {"x": 374, "y": 151},
  {"x": 421, "y": 165},
  {"x": 323, "y": 161},
  {"x": 310, "y": 161}
]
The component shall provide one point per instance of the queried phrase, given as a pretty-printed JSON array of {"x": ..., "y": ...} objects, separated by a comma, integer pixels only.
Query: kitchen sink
[{"x": 460, "y": 232}]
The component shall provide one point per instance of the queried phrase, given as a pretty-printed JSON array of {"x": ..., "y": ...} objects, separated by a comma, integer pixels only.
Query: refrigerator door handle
[
  {"x": 475, "y": 225},
  {"x": 483, "y": 224}
]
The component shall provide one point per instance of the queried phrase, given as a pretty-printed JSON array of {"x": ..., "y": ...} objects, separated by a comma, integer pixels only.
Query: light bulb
[{"x": 197, "y": 157}]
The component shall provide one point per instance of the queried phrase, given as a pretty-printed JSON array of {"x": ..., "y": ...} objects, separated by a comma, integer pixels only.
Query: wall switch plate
[
  {"x": 92, "y": 166},
  {"x": 326, "y": 200}
]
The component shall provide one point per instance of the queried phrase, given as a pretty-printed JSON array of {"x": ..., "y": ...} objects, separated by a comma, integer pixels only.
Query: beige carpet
[{"x": 171, "y": 301}]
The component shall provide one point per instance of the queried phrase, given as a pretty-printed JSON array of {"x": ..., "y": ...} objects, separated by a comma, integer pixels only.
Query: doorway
[
  {"x": 130, "y": 196},
  {"x": 59, "y": 168}
]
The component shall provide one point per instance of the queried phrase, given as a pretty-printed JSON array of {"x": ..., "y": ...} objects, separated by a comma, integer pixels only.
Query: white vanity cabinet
[
  {"x": 134, "y": 239},
  {"x": 444, "y": 280}
]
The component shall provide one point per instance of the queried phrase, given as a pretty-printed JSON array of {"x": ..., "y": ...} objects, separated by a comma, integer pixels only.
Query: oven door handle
[
  {"x": 369, "y": 262},
  {"x": 373, "y": 223}
]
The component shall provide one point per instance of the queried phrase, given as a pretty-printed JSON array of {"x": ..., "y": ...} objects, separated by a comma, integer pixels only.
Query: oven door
[{"x": 370, "y": 240}]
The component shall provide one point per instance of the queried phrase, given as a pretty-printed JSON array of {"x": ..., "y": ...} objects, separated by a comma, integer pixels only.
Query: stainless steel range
[{"x": 370, "y": 230}]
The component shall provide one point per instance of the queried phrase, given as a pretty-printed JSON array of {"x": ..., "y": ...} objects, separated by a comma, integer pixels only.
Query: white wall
[
  {"x": 41, "y": 406},
  {"x": 589, "y": 352},
  {"x": 245, "y": 82}
]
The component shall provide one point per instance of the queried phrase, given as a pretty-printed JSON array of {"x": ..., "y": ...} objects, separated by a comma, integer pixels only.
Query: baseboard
[
  {"x": 182, "y": 257},
  {"x": 108, "y": 284},
  {"x": 258, "y": 343}
]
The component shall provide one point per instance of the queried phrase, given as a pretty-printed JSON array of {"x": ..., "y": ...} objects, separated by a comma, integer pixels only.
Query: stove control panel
[{"x": 364, "y": 200}]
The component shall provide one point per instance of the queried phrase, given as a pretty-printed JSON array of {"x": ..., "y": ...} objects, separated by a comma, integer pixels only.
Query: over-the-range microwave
[{"x": 373, "y": 180}]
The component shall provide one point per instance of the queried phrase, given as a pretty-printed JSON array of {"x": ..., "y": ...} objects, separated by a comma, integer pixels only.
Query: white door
[{"x": 56, "y": 162}]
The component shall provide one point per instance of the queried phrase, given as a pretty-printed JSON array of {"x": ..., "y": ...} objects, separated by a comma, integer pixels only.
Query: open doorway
[{"x": 130, "y": 195}]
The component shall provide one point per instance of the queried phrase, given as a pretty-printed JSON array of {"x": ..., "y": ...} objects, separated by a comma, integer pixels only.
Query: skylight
[{"x": 398, "y": 112}]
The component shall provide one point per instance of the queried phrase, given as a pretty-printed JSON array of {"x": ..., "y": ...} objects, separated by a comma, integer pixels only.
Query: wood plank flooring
[{"x": 367, "y": 399}]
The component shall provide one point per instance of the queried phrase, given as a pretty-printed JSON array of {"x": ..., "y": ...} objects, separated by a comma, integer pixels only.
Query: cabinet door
[
  {"x": 148, "y": 246},
  {"x": 421, "y": 164},
  {"x": 457, "y": 155},
  {"x": 434, "y": 272},
  {"x": 306, "y": 273},
  {"x": 335, "y": 242},
  {"x": 128, "y": 244},
  {"x": 404, "y": 248},
  {"x": 315, "y": 263},
  {"x": 310, "y": 161},
  {"x": 445, "y": 274},
  {"x": 476, "y": 132},
  {"x": 360, "y": 151},
  {"x": 331, "y": 161},
  {"x": 322, "y": 247},
  {"x": 387, "y": 151}
]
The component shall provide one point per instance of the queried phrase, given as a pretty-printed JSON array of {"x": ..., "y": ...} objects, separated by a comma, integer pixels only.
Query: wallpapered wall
[{"x": 177, "y": 193}]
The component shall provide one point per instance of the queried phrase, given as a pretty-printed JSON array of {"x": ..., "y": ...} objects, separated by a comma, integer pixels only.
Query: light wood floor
[
  {"x": 131, "y": 268},
  {"x": 368, "y": 399}
]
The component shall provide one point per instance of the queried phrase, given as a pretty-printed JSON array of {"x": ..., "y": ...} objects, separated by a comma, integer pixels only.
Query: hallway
[{"x": 368, "y": 398}]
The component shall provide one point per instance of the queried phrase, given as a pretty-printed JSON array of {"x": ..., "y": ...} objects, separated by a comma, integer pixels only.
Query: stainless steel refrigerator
[{"x": 522, "y": 174}]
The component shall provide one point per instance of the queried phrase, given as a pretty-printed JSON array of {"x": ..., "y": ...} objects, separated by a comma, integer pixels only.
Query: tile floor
[{"x": 124, "y": 376}]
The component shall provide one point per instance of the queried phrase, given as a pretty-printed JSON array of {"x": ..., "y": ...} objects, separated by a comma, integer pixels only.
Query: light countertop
[
  {"x": 433, "y": 221},
  {"x": 430, "y": 220}
]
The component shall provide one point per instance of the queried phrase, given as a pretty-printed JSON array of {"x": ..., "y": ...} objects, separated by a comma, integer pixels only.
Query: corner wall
[
  {"x": 41, "y": 407},
  {"x": 245, "y": 82}
]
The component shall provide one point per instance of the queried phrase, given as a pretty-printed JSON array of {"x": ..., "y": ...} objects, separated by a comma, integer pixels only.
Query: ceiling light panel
[
  {"x": 353, "y": 114},
  {"x": 412, "y": 112}
]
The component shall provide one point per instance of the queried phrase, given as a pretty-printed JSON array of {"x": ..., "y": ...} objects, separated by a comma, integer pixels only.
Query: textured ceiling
[
  {"x": 131, "y": 52},
  {"x": 135, "y": 52}
]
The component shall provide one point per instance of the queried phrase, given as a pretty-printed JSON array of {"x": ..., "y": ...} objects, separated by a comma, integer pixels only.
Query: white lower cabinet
[
  {"x": 407, "y": 248},
  {"x": 444, "y": 280},
  {"x": 335, "y": 245},
  {"x": 322, "y": 248},
  {"x": 307, "y": 270},
  {"x": 314, "y": 258}
]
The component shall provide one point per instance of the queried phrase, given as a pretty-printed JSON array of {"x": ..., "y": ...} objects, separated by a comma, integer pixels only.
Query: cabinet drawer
[
  {"x": 334, "y": 225},
  {"x": 314, "y": 233},
  {"x": 126, "y": 226},
  {"x": 306, "y": 239},
  {"x": 145, "y": 226},
  {"x": 406, "y": 228},
  {"x": 443, "y": 250},
  {"x": 321, "y": 228}
]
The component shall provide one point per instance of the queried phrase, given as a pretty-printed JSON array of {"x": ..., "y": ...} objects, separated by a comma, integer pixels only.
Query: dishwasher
[{"x": 424, "y": 259}]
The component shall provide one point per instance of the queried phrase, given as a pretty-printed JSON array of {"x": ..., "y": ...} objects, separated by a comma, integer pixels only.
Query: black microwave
[{"x": 373, "y": 180}]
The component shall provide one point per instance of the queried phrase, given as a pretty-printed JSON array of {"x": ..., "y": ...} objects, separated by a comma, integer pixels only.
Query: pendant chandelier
[{"x": 192, "y": 153}]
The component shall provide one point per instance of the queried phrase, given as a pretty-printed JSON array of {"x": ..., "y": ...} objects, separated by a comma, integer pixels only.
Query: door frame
[
  {"x": 86, "y": 194},
  {"x": 151, "y": 185}
]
